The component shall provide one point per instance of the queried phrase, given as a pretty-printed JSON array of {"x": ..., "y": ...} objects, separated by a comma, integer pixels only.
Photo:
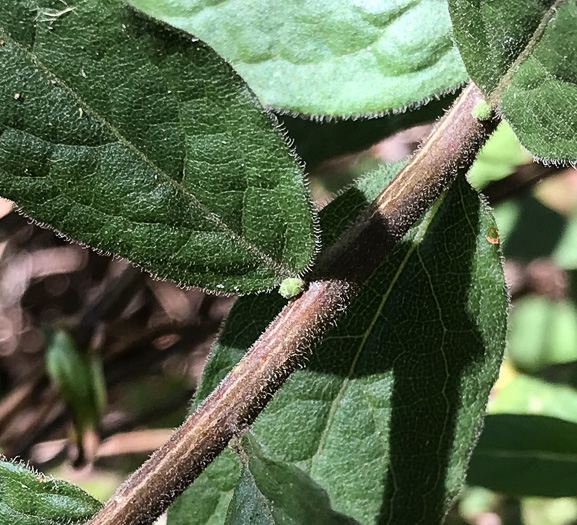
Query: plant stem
[
  {"x": 521, "y": 181},
  {"x": 288, "y": 341}
]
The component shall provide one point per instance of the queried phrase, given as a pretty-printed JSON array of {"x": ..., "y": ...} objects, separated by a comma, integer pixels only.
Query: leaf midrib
[
  {"x": 494, "y": 98},
  {"x": 208, "y": 214}
]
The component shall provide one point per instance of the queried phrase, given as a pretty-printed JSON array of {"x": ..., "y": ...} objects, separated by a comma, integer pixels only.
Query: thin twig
[
  {"x": 523, "y": 179},
  {"x": 286, "y": 344}
]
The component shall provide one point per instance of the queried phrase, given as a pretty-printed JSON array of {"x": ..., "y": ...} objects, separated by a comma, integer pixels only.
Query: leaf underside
[
  {"x": 523, "y": 55},
  {"x": 130, "y": 137},
  {"x": 336, "y": 58},
  {"x": 389, "y": 407}
]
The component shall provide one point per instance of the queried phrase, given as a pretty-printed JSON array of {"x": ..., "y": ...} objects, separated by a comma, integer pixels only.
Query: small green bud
[
  {"x": 291, "y": 287},
  {"x": 482, "y": 111}
]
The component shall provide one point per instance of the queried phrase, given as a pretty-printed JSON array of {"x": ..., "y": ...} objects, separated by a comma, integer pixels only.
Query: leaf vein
[{"x": 346, "y": 381}]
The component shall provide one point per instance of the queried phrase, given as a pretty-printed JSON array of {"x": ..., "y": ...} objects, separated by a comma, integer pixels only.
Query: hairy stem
[{"x": 289, "y": 339}]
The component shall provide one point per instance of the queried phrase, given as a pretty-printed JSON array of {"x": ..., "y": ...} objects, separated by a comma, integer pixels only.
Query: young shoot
[
  {"x": 482, "y": 111},
  {"x": 291, "y": 287}
]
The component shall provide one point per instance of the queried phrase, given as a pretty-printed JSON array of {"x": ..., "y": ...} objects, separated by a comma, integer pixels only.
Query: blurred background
[{"x": 99, "y": 361}]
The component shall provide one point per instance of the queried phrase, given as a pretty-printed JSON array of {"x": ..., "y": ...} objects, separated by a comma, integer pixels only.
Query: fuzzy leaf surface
[
  {"x": 387, "y": 411},
  {"x": 277, "y": 493},
  {"x": 209, "y": 497},
  {"x": 523, "y": 55},
  {"x": 129, "y": 136},
  {"x": 30, "y": 498},
  {"x": 330, "y": 57}
]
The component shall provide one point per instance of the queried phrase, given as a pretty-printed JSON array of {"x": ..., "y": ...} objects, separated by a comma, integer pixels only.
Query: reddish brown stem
[{"x": 287, "y": 342}]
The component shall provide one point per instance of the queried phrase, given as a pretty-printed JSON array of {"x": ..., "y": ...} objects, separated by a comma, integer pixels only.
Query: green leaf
[
  {"x": 335, "y": 57},
  {"x": 523, "y": 55},
  {"x": 209, "y": 497},
  {"x": 531, "y": 395},
  {"x": 135, "y": 139},
  {"x": 78, "y": 378},
  {"x": 271, "y": 492},
  {"x": 543, "y": 332},
  {"x": 30, "y": 498},
  {"x": 473, "y": 502},
  {"x": 526, "y": 456},
  {"x": 389, "y": 407}
]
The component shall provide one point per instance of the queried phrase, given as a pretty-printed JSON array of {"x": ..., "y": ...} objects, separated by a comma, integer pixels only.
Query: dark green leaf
[
  {"x": 523, "y": 55},
  {"x": 526, "y": 456},
  {"x": 273, "y": 493},
  {"x": 134, "y": 138},
  {"x": 30, "y": 498},
  {"x": 327, "y": 58},
  {"x": 389, "y": 407}
]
